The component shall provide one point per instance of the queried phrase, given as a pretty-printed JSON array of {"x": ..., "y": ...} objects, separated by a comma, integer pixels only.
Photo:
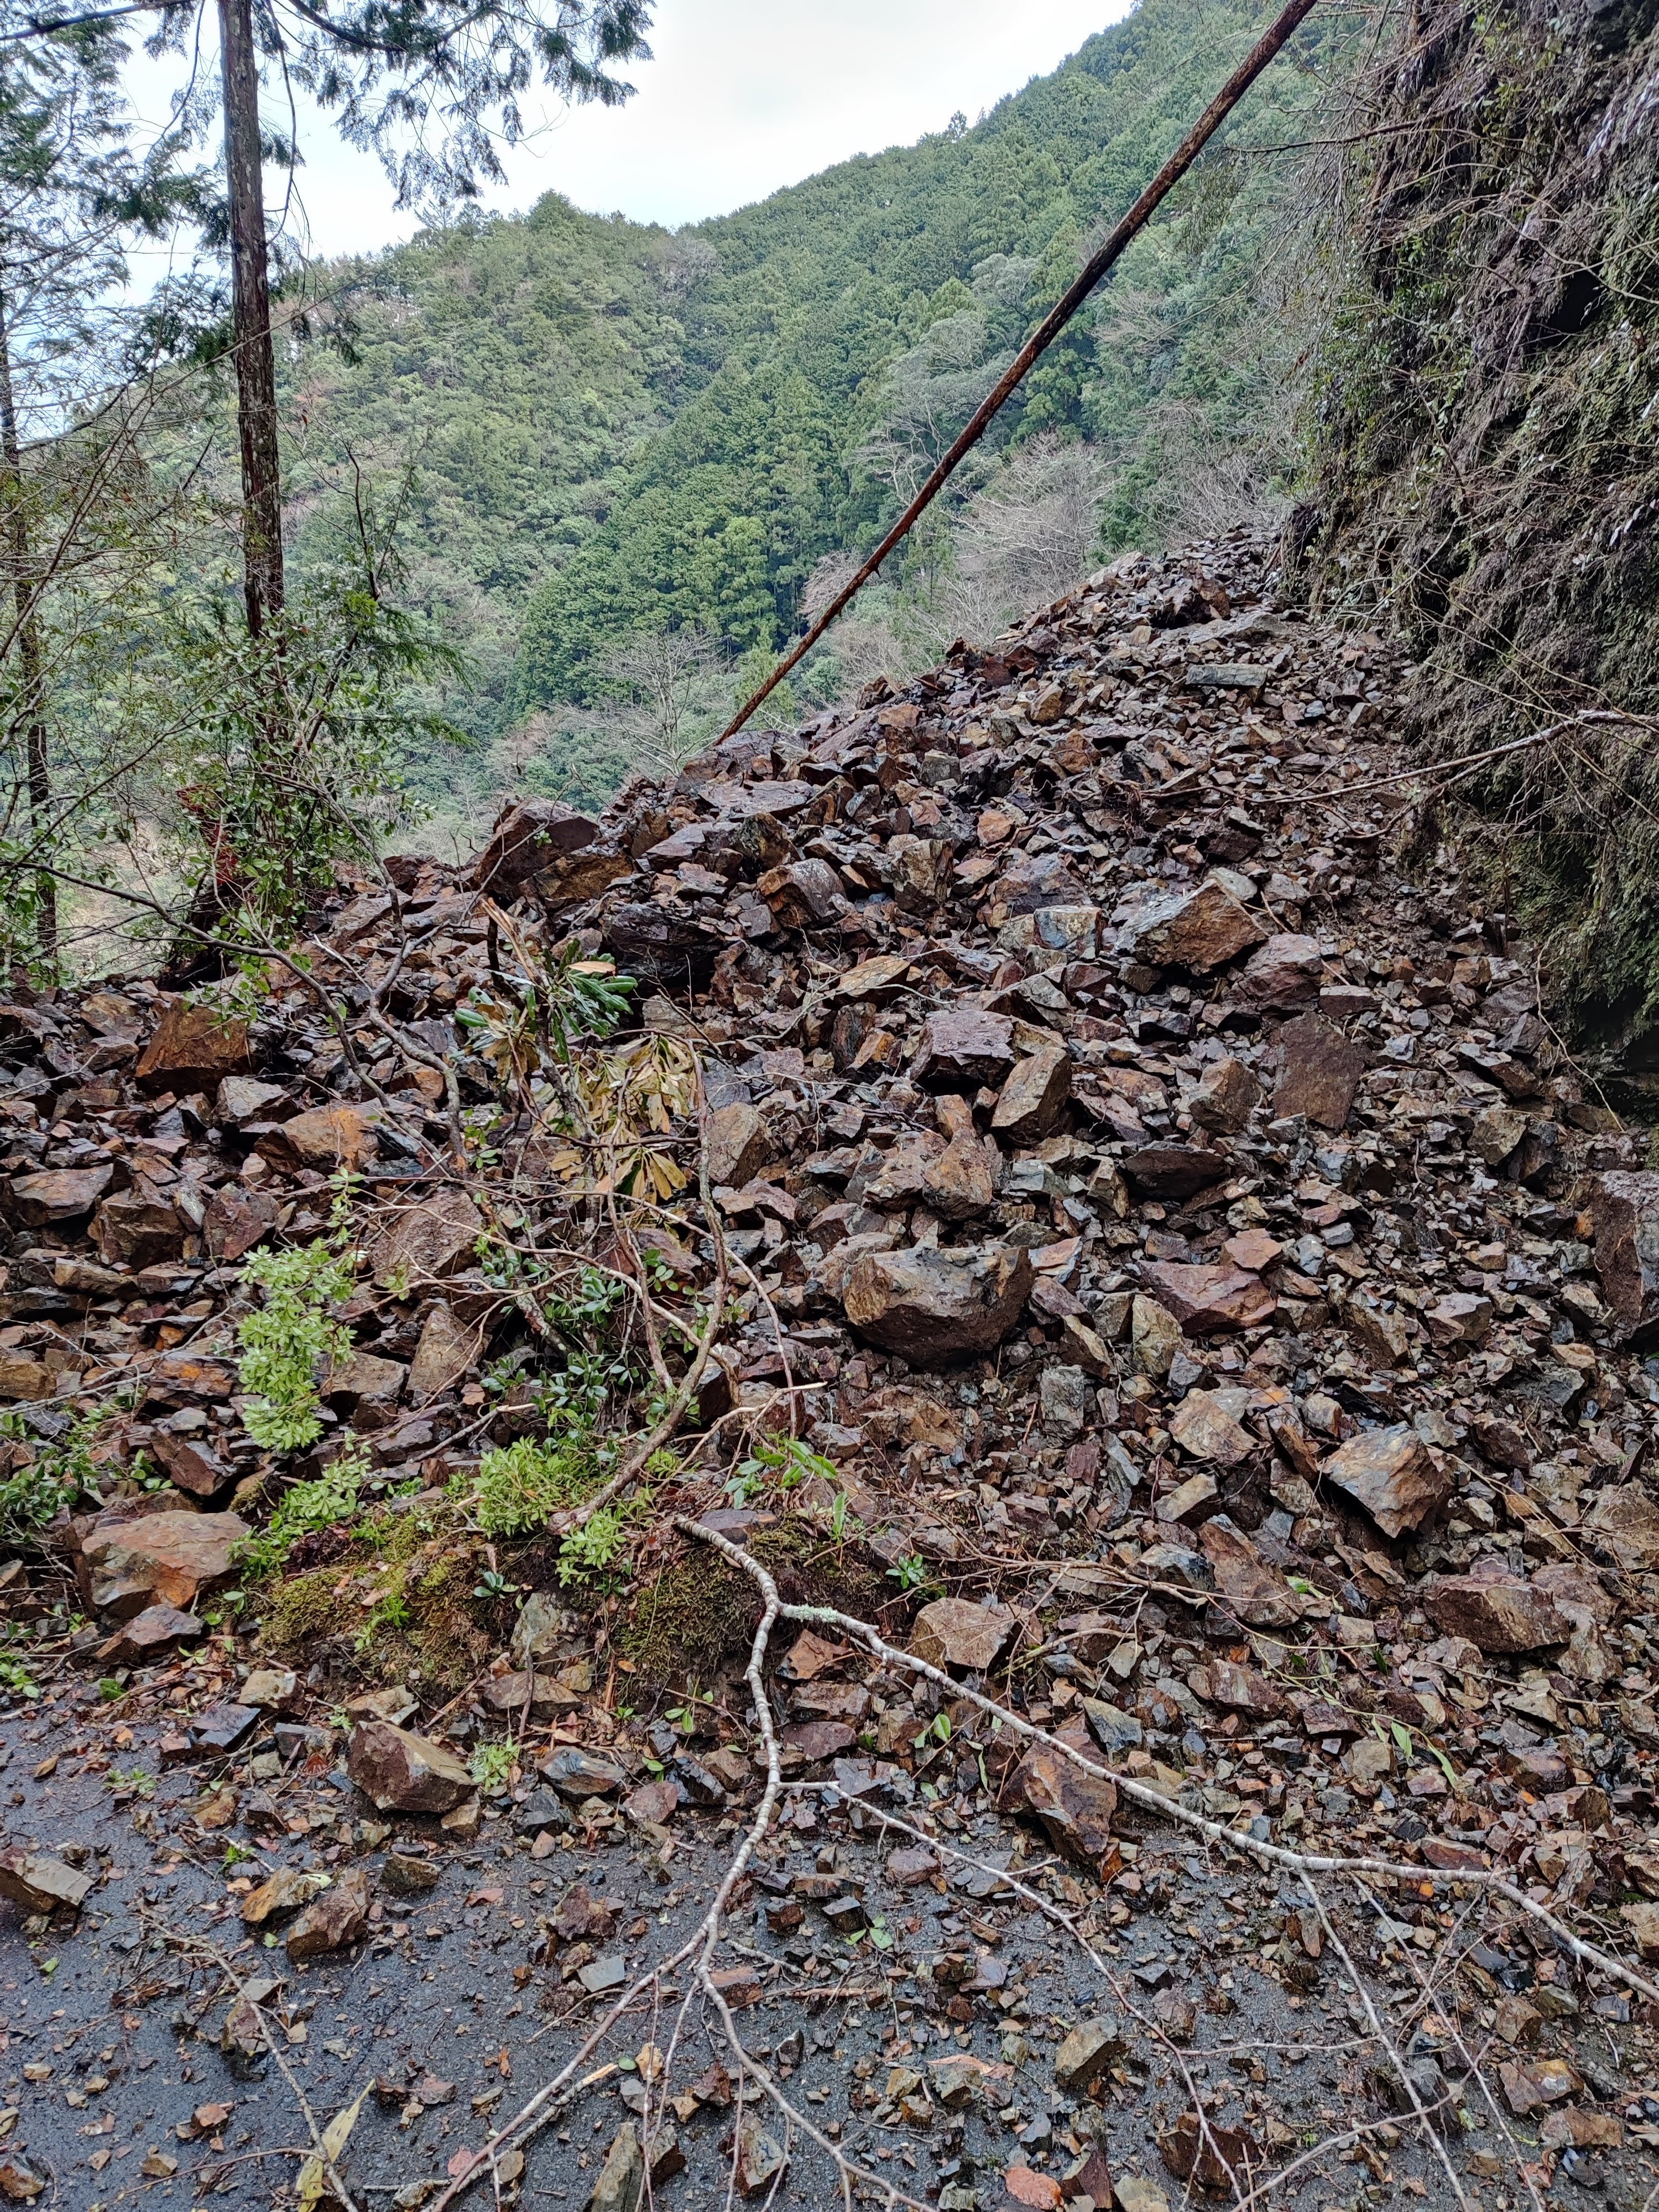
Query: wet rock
[
  {"x": 966, "y": 1049},
  {"x": 1282, "y": 977},
  {"x": 759, "y": 2160},
  {"x": 1318, "y": 1073},
  {"x": 1225, "y": 1098},
  {"x": 57, "y": 1194},
  {"x": 1076, "y": 1810},
  {"x": 169, "y": 1558},
  {"x": 1209, "y": 1301},
  {"x": 155, "y": 1630},
  {"x": 954, "y": 1631},
  {"x": 194, "y": 1049},
  {"x": 1175, "y": 1170},
  {"x": 577, "y": 1774},
  {"x": 1199, "y": 929},
  {"x": 338, "y": 1919},
  {"x": 930, "y": 1306},
  {"x": 1215, "y": 2157},
  {"x": 1503, "y": 1616},
  {"x": 286, "y": 1891},
  {"x": 1031, "y": 1101},
  {"x": 402, "y": 1772},
  {"x": 1087, "y": 2051},
  {"x": 403, "y": 1875},
  {"x": 1393, "y": 1474},
  {"x": 38, "y": 1883},
  {"x": 427, "y": 1243}
]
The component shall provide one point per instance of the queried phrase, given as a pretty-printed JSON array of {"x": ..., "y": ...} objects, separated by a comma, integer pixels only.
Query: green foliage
[
  {"x": 596, "y": 1546},
  {"x": 492, "y": 1766},
  {"x": 303, "y": 1509},
  {"x": 290, "y": 1343},
  {"x": 61, "y": 1472},
  {"x": 519, "y": 1486},
  {"x": 779, "y": 1463}
]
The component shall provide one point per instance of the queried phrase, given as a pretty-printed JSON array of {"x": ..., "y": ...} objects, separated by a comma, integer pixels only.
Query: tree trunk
[
  {"x": 256, "y": 364},
  {"x": 30, "y": 721}
]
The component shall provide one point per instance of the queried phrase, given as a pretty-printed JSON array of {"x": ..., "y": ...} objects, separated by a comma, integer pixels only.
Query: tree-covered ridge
[{"x": 616, "y": 430}]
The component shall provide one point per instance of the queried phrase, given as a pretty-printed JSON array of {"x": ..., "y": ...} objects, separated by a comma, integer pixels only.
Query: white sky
[{"x": 743, "y": 96}]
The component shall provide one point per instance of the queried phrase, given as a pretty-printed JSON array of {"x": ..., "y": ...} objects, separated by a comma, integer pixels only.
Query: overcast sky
[{"x": 741, "y": 96}]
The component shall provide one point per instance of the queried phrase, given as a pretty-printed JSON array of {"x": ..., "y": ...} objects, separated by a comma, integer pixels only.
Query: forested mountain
[{"x": 615, "y": 430}]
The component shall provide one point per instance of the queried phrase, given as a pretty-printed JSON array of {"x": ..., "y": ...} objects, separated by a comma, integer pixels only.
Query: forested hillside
[{"x": 617, "y": 432}]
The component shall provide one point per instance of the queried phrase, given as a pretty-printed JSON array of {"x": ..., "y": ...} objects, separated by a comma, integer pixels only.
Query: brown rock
[
  {"x": 1459, "y": 1318},
  {"x": 738, "y": 1144},
  {"x": 403, "y": 1772},
  {"x": 1497, "y": 1616},
  {"x": 1175, "y": 1170},
  {"x": 148, "y": 1632},
  {"x": 193, "y": 1049},
  {"x": 338, "y": 1919},
  {"x": 1075, "y": 1808},
  {"x": 368, "y": 1380},
  {"x": 39, "y": 1884},
  {"x": 1625, "y": 1521},
  {"x": 1155, "y": 1337},
  {"x": 1204, "y": 1428},
  {"x": 954, "y": 1631},
  {"x": 528, "y": 836},
  {"x": 21, "y": 1378},
  {"x": 958, "y": 1183},
  {"x": 325, "y": 1137},
  {"x": 965, "y": 1049},
  {"x": 236, "y": 1221},
  {"x": 1221, "y": 2158},
  {"x": 1391, "y": 1472},
  {"x": 877, "y": 980},
  {"x": 446, "y": 1351},
  {"x": 57, "y": 1194},
  {"x": 804, "y": 895},
  {"x": 1209, "y": 1301},
  {"x": 427, "y": 1243},
  {"x": 574, "y": 877},
  {"x": 1319, "y": 1072},
  {"x": 1625, "y": 1208},
  {"x": 1256, "y": 1592},
  {"x": 285, "y": 1891},
  {"x": 1034, "y": 1097},
  {"x": 139, "y": 1226},
  {"x": 1226, "y": 1098},
  {"x": 929, "y": 1306},
  {"x": 1242, "y": 1690},
  {"x": 240, "y": 1098},
  {"x": 191, "y": 1464},
  {"x": 1198, "y": 929},
  {"x": 170, "y": 1559},
  {"x": 1283, "y": 976}
]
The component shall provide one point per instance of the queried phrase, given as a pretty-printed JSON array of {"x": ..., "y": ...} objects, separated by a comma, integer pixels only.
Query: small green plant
[
  {"x": 290, "y": 1342},
  {"x": 518, "y": 1485},
  {"x": 492, "y": 1766},
  {"x": 17, "y": 1680},
  {"x": 938, "y": 1730},
  {"x": 779, "y": 1463},
  {"x": 911, "y": 1573},
  {"x": 493, "y": 1583},
  {"x": 60, "y": 1473},
  {"x": 591, "y": 1549},
  {"x": 136, "y": 1780},
  {"x": 300, "y": 1512}
]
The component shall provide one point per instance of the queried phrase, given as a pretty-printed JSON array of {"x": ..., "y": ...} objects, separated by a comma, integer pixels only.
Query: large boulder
[
  {"x": 165, "y": 1558},
  {"x": 1625, "y": 1208},
  {"x": 929, "y": 1306}
]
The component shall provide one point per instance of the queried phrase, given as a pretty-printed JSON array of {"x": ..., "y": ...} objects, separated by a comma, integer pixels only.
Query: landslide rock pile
[{"x": 1162, "y": 1210}]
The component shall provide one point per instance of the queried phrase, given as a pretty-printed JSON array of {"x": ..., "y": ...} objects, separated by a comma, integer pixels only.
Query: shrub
[
  {"x": 290, "y": 1340},
  {"x": 301, "y": 1511},
  {"x": 519, "y": 1485}
]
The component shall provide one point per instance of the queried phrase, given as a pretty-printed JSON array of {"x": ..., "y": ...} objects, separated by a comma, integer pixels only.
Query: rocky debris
[
  {"x": 126, "y": 1566},
  {"x": 334, "y": 1921},
  {"x": 1392, "y": 1473},
  {"x": 951, "y": 1632},
  {"x": 40, "y": 1884},
  {"x": 932, "y": 1307}
]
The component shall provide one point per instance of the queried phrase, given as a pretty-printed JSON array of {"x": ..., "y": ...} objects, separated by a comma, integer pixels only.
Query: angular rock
[
  {"x": 1623, "y": 1206},
  {"x": 1283, "y": 976},
  {"x": 426, "y": 1243},
  {"x": 286, "y": 1891},
  {"x": 739, "y": 1143},
  {"x": 1625, "y": 1521},
  {"x": 193, "y": 1048},
  {"x": 1175, "y": 1170},
  {"x": 326, "y": 1138},
  {"x": 1209, "y": 1301},
  {"x": 1257, "y": 1593},
  {"x": 445, "y": 1352},
  {"x": 621, "y": 2183},
  {"x": 139, "y": 1226},
  {"x": 153, "y": 1630},
  {"x": 57, "y": 1194},
  {"x": 931, "y": 1307},
  {"x": 1155, "y": 1337},
  {"x": 1318, "y": 1073},
  {"x": 804, "y": 895},
  {"x": 338, "y": 1919},
  {"x": 402, "y": 1772},
  {"x": 1076, "y": 1810},
  {"x": 528, "y": 836},
  {"x": 965, "y": 1049},
  {"x": 954, "y": 1631},
  {"x": 1391, "y": 1472},
  {"x": 37, "y": 1883},
  {"x": 959, "y": 1184},
  {"x": 240, "y": 1098},
  {"x": 1460, "y": 1317},
  {"x": 1086, "y": 2052},
  {"x": 1496, "y": 1616},
  {"x": 168, "y": 1559},
  {"x": 577, "y": 1774},
  {"x": 191, "y": 1464},
  {"x": 1226, "y": 1097},
  {"x": 1198, "y": 929},
  {"x": 1206, "y": 1431},
  {"x": 1031, "y": 1101}
]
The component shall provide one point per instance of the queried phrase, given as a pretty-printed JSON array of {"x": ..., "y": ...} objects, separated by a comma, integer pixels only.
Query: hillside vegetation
[{"x": 615, "y": 431}]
